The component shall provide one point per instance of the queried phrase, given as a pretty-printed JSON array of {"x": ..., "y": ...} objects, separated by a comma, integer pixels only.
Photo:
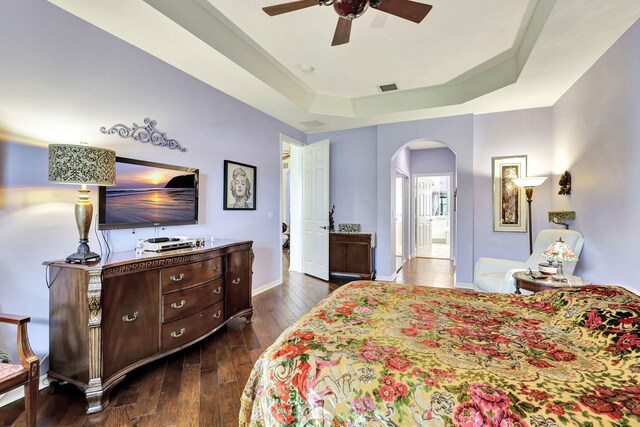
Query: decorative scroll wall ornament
[{"x": 146, "y": 133}]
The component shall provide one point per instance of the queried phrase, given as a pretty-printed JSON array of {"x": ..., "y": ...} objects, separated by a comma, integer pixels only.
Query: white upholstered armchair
[{"x": 495, "y": 275}]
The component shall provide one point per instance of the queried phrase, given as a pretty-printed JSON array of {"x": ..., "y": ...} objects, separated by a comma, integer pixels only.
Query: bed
[{"x": 383, "y": 354}]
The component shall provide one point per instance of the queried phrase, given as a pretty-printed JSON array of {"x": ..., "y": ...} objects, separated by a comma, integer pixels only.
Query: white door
[
  {"x": 316, "y": 209},
  {"x": 423, "y": 214},
  {"x": 399, "y": 216}
]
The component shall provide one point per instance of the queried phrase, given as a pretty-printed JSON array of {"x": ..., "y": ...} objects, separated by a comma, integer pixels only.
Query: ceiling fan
[{"x": 348, "y": 10}]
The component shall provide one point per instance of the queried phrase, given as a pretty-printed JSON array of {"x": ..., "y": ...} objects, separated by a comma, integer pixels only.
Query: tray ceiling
[{"x": 465, "y": 57}]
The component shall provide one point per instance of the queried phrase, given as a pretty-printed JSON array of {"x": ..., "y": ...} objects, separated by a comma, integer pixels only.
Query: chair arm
[
  {"x": 14, "y": 319},
  {"x": 509, "y": 282},
  {"x": 496, "y": 265},
  {"x": 28, "y": 359}
]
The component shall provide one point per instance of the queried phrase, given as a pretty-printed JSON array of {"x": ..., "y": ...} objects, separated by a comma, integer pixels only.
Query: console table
[
  {"x": 112, "y": 316},
  {"x": 352, "y": 253}
]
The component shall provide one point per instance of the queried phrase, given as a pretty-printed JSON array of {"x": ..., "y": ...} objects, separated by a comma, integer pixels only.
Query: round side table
[{"x": 525, "y": 281}]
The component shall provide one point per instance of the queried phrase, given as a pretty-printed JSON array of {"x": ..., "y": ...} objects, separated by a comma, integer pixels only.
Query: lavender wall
[
  {"x": 524, "y": 132},
  {"x": 353, "y": 175},
  {"x": 401, "y": 162},
  {"x": 597, "y": 138},
  {"x": 61, "y": 80},
  {"x": 457, "y": 133},
  {"x": 433, "y": 161},
  {"x": 369, "y": 153}
]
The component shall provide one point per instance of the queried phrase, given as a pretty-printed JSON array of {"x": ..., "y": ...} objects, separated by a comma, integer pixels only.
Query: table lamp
[
  {"x": 528, "y": 183},
  {"x": 83, "y": 165},
  {"x": 559, "y": 251}
]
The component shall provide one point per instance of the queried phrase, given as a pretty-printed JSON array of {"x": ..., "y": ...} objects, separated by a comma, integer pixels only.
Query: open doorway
[
  {"x": 400, "y": 217},
  {"x": 291, "y": 203},
  {"x": 433, "y": 198}
]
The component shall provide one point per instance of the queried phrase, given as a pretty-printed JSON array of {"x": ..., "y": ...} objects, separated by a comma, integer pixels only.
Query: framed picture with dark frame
[
  {"x": 239, "y": 186},
  {"x": 509, "y": 212}
]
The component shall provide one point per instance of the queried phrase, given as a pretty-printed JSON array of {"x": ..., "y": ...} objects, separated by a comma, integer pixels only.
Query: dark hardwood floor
[{"x": 201, "y": 386}]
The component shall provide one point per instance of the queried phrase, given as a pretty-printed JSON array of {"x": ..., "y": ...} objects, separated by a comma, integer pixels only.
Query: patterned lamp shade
[
  {"x": 559, "y": 251},
  {"x": 81, "y": 164}
]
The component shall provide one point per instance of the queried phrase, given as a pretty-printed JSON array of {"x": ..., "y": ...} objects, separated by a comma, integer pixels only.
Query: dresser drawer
[
  {"x": 177, "y": 305},
  {"x": 185, "y": 276},
  {"x": 350, "y": 238},
  {"x": 185, "y": 330}
]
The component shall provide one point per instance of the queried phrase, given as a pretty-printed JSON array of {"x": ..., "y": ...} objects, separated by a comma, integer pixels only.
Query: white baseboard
[
  {"x": 18, "y": 393},
  {"x": 266, "y": 287},
  {"x": 462, "y": 285},
  {"x": 387, "y": 278}
]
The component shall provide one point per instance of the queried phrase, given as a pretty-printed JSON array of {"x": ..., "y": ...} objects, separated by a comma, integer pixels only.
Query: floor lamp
[
  {"x": 82, "y": 165},
  {"x": 528, "y": 184}
]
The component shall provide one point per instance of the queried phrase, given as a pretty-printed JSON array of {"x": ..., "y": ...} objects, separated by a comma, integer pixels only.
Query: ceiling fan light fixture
[{"x": 350, "y": 9}]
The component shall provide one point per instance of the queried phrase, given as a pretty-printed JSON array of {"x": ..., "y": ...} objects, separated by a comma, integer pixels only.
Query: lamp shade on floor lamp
[{"x": 528, "y": 183}]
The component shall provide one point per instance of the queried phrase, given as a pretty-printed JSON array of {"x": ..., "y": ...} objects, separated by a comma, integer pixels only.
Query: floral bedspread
[{"x": 383, "y": 354}]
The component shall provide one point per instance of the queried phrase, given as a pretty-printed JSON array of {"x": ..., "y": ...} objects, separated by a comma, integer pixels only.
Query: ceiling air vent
[
  {"x": 312, "y": 123},
  {"x": 388, "y": 88}
]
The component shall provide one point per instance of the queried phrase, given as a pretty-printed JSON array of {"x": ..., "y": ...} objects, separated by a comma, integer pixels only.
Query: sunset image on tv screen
[{"x": 150, "y": 194}]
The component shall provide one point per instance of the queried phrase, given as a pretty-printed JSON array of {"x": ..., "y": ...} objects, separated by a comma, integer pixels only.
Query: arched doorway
[{"x": 431, "y": 221}]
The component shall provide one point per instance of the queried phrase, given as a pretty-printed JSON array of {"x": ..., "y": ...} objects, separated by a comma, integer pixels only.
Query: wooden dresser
[
  {"x": 352, "y": 253},
  {"x": 110, "y": 317}
]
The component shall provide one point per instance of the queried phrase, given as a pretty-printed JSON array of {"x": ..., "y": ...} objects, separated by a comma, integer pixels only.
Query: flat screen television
[{"x": 149, "y": 194}]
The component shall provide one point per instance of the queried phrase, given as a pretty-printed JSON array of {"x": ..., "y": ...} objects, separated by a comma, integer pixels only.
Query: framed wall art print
[
  {"x": 240, "y": 182},
  {"x": 509, "y": 213}
]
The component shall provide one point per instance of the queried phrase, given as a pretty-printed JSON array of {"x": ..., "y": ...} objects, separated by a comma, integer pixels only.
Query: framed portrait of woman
[{"x": 239, "y": 186}]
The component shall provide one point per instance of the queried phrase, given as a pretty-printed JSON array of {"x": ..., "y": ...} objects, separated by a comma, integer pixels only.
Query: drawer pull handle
[
  {"x": 175, "y": 334},
  {"x": 177, "y": 279},
  {"x": 126, "y": 317},
  {"x": 216, "y": 268},
  {"x": 176, "y": 306},
  {"x": 217, "y": 290},
  {"x": 236, "y": 281},
  {"x": 218, "y": 314}
]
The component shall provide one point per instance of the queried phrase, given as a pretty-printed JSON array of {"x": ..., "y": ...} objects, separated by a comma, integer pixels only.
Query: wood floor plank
[
  {"x": 210, "y": 408},
  {"x": 150, "y": 391},
  {"x": 189, "y": 397},
  {"x": 208, "y": 354},
  {"x": 192, "y": 355},
  {"x": 168, "y": 401},
  {"x": 202, "y": 384}
]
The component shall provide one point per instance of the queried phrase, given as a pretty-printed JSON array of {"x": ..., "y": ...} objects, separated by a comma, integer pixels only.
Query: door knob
[{"x": 324, "y": 227}]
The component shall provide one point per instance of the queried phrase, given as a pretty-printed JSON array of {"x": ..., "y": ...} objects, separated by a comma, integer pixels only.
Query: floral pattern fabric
[{"x": 383, "y": 354}]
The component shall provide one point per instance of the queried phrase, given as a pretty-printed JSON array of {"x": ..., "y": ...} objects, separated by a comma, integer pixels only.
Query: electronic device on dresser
[
  {"x": 149, "y": 194},
  {"x": 112, "y": 316},
  {"x": 161, "y": 244}
]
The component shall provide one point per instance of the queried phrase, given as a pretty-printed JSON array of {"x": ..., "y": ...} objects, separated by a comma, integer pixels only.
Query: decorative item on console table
[
  {"x": 348, "y": 228},
  {"x": 352, "y": 253},
  {"x": 110, "y": 317}
]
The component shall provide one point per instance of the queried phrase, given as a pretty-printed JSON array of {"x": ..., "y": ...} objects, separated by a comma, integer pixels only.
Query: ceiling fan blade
[
  {"x": 279, "y": 9},
  {"x": 411, "y": 10},
  {"x": 343, "y": 32}
]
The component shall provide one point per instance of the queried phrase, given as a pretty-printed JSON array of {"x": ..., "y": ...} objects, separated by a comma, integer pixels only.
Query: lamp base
[{"x": 83, "y": 255}]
